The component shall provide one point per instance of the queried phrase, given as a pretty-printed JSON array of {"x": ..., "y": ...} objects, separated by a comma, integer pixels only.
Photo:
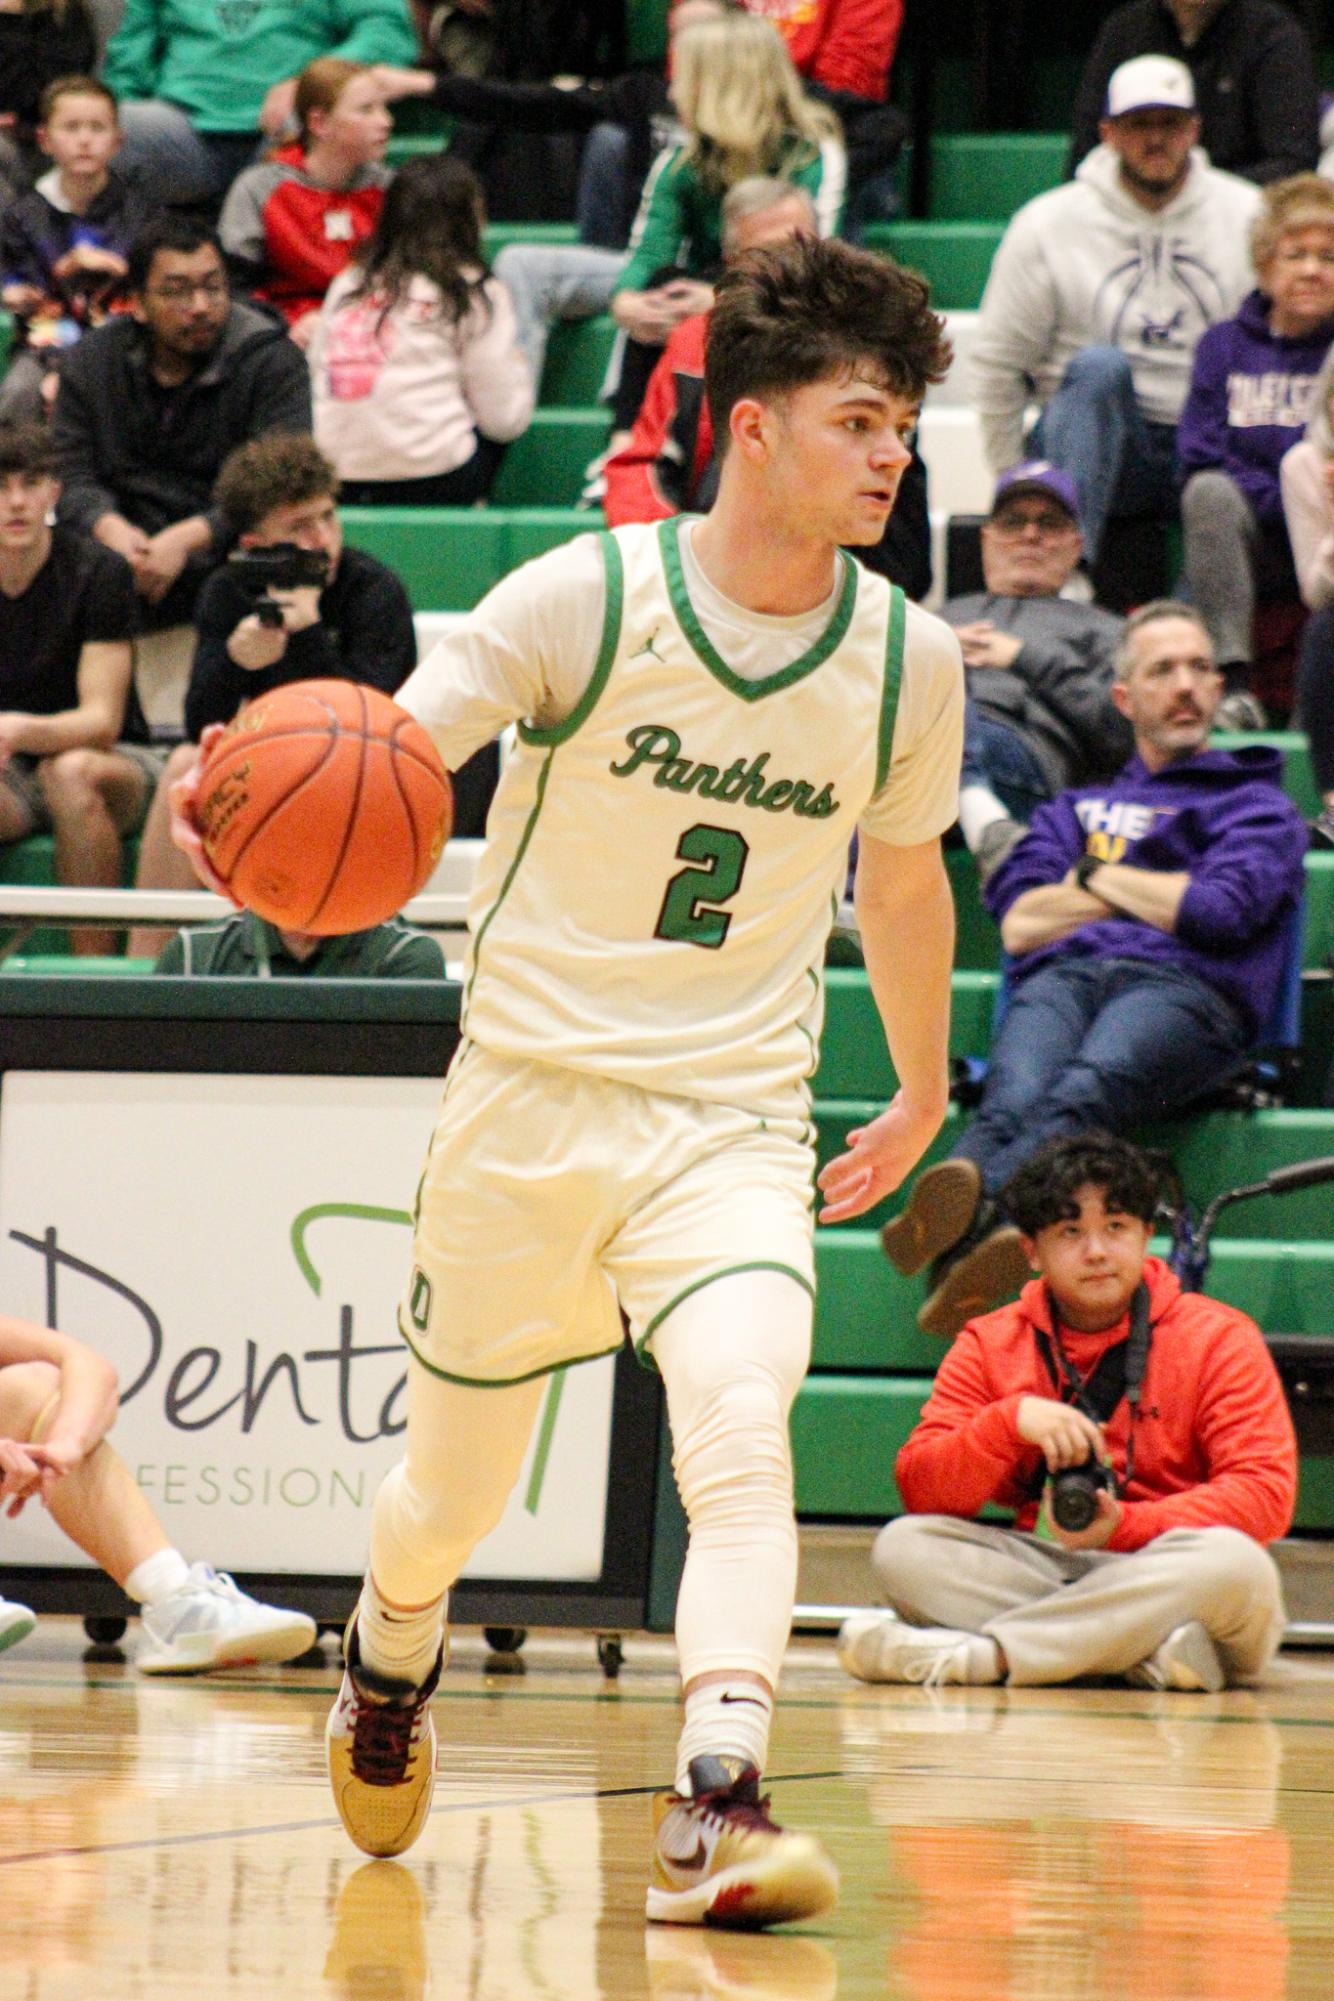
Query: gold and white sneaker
[
  {"x": 718, "y": 1859},
  {"x": 380, "y": 1743}
]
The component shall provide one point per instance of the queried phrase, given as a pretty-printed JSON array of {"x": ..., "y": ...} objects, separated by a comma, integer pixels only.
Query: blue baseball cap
[{"x": 1038, "y": 476}]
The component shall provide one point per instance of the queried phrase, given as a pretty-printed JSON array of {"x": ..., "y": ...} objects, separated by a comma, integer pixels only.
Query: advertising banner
[{"x": 236, "y": 1246}]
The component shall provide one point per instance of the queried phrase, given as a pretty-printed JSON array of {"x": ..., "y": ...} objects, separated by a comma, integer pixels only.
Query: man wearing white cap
[
  {"x": 1254, "y": 75},
  {"x": 1098, "y": 294}
]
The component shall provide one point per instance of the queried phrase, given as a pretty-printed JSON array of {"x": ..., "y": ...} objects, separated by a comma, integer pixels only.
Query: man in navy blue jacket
[{"x": 1148, "y": 921}]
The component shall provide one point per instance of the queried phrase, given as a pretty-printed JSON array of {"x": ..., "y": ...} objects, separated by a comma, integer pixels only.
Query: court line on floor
[
  {"x": 833, "y": 1705},
  {"x": 487, "y": 1805}
]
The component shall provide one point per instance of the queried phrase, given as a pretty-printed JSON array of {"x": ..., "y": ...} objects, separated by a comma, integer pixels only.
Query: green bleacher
[{"x": 872, "y": 1368}]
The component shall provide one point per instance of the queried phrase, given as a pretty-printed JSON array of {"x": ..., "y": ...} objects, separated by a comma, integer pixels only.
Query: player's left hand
[
  {"x": 185, "y": 828},
  {"x": 55, "y": 1458},
  {"x": 879, "y": 1156},
  {"x": 1099, "y": 1531}
]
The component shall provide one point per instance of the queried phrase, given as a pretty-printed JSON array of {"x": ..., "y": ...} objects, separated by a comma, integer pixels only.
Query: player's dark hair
[
  {"x": 281, "y": 469},
  {"x": 430, "y": 226},
  {"x": 1046, "y": 1188},
  {"x": 808, "y": 310},
  {"x": 26, "y": 449},
  {"x": 179, "y": 233}
]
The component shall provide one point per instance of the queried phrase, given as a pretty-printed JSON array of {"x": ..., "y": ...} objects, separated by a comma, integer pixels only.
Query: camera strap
[{"x": 1118, "y": 1372}]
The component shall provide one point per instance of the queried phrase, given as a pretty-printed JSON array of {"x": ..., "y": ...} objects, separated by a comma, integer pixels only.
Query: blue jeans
[
  {"x": 557, "y": 281},
  {"x": 1102, "y": 1044},
  {"x": 996, "y": 755},
  {"x": 603, "y": 207},
  {"x": 1093, "y": 429},
  {"x": 169, "y": 162}
]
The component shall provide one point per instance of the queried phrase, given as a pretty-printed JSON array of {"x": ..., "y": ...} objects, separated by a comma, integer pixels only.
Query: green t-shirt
[
  {"x": 217, "y": 58},
  {"x": 245, "y": 947}
]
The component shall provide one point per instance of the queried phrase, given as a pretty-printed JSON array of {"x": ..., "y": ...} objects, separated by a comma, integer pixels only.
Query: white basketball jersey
[{"x": 663, "y": 866}]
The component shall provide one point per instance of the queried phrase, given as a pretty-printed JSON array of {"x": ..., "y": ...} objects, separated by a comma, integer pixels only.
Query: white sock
[
  {"x": 157, "y": 1577},
  {"x": 402, "y": 1646},
  {"x": 984, "y": 1661},
  {"x": 979, "y": 808},
  {"x": 725, "y": 1720}
]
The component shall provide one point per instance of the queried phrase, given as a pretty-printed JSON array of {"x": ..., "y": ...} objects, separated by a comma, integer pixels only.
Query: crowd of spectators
[{"x": 229, "y": 313}]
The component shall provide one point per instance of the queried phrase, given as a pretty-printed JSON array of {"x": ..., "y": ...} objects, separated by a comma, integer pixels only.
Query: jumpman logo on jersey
[{"x": 650, "y": 646}]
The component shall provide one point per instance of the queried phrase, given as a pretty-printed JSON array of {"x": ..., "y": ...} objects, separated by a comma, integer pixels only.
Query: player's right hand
[
  {"x": 1063, "y": 1435},
  {"x": 20, "y": 1476},
  {"x": 185, "y": 828}
]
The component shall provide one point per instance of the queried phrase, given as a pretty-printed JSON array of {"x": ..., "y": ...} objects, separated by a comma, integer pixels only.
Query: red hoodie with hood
[{"x": 1214, "y": 1444}]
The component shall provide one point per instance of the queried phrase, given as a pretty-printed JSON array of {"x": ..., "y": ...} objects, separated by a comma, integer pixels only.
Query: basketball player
[{"x": 708, "y": 710}]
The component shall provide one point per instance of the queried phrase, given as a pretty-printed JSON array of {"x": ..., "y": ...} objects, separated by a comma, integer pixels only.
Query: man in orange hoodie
[{"x": 1170, "y": 1584}]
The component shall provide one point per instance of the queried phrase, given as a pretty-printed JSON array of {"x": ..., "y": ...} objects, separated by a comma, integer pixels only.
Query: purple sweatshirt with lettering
[
  {"x": 1249, "y": 398},
  {"x": 1220, "y": 815}
]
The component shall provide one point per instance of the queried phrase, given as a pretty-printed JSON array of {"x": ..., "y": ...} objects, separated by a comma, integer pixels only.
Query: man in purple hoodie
[
  {"x": 1147, "y": 920},
  {"x": 1249, "y": 398}
]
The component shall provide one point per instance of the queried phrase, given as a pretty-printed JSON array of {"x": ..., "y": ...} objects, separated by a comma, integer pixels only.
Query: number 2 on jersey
[{"x": 690, "y": 913}]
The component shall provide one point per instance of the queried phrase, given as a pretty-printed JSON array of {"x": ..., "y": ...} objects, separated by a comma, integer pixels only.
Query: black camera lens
[{"x": 1073, "y": 1495}]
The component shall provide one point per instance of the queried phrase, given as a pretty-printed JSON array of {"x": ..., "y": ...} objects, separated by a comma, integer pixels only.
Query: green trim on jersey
[
  {"x": 710, "y": 1278},
  {"x": 510, "y": 874},
  {"x": 769, "y": 684},
  {"x": 611, "y": 636},
  {"x": 502, "y": 1382},
  {"x": 889, "y": 697}
]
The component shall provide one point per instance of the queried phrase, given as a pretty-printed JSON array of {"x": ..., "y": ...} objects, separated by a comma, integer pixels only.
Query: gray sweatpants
[{"x": 1061, "y": 1613}]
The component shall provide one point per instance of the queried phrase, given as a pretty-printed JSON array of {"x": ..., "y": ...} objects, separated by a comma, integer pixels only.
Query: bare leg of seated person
[
  {"x": 193, "y": 1618},
  {"x": 95, "y": 798},
  {"x": 161, "y": 863}
]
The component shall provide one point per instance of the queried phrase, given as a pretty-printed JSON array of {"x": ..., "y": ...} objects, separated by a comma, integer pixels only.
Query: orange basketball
[{"x": 324, "y": 807}]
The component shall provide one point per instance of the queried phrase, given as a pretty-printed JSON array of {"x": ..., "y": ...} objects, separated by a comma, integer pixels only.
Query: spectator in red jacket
[
  {"x": 668, "y": 467},
  {"x": 1104, "y": 1358},
  {"x": 842, "y": 45},
  {"x": 291, "y": 224}
]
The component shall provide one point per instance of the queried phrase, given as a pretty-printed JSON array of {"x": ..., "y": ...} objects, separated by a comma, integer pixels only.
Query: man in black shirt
[
  {"x": 150, "y": 405},
  {"x": 74, "y": 756},
  {"x": 358, "y": 627},
  {"x": 1254, "y": 74}
]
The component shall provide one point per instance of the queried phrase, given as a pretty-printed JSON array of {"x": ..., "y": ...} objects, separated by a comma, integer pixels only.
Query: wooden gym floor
[{"x": 174, "y": 1839}]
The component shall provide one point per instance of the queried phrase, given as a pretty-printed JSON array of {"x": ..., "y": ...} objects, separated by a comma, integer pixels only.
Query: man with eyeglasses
[
  {"x": 152, "y": 403},
  {"x": 1039, "y": 665},
  {"x": 1147, "y": 922}
]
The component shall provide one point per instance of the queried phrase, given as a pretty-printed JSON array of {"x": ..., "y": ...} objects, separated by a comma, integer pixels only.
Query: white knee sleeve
[
  {"x": 732, "y": 1357},
  {"x": 464, "y": 1449}
]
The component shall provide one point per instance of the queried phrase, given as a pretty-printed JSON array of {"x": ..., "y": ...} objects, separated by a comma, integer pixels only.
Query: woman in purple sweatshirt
[{"x": 1249, "y": 397}]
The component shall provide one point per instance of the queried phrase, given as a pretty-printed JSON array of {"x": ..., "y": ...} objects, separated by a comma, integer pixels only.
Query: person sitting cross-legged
[
  {"x": 1104, "y": 1358},
  {"x": 58, "y": 1400},
  {"x": 1148, "y": 923}
]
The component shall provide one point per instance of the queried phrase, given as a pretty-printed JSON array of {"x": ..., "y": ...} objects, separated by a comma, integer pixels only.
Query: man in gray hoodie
[{"x": 1100, "y": 290}]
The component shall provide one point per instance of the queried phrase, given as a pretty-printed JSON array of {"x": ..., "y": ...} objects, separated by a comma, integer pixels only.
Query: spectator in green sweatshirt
[{"x": 201, "y": 82}]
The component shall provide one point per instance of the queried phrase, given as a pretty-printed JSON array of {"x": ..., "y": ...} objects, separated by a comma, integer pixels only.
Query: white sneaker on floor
[
  {"x": 16, "y": 1622},
  {"x": 879, "y": 1646},
  {"x": 207, "y": 1623},
  {"x": 1186, "y": 1660}
]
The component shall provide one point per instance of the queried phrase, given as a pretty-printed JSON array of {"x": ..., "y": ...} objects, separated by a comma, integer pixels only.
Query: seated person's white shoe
[
  {"x": 879, "y": 1646},
  {"x": 16, "y": 1622},
  {"x": 207, "y": 1623},
  {"x": 1186, "y": 1660}
]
